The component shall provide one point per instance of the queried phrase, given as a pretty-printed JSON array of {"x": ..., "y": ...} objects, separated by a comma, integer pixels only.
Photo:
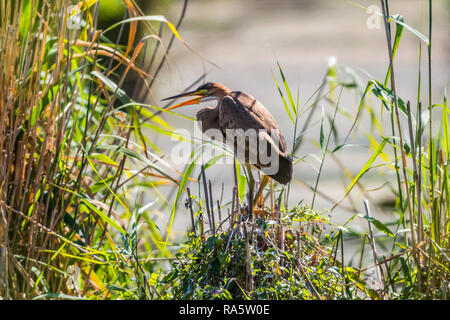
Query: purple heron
[{"x": 238, "y": 110}]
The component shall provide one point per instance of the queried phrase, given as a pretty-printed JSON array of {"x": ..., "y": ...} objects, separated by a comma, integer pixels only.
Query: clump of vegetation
[{"x": 283, "y": 258}]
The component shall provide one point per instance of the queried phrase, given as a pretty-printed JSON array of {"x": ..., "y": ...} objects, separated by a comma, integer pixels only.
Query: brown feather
[{"x": 238, "y": 110}]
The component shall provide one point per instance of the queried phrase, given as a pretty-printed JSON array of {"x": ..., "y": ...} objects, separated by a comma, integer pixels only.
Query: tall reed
[{"x": 72, "y": 150}]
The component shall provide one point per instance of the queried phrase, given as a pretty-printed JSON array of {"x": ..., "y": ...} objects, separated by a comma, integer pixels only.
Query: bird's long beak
[{"x": 201, "y": 94}]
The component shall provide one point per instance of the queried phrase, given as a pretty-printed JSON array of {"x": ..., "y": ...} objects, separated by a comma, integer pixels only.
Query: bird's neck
[{"x": 221, "y": 91}]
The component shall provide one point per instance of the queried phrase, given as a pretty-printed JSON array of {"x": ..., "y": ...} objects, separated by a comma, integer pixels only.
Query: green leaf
[
  {"x": 137, "y": 156},
  {"x": 213, "y": 160},
  {"x": 102, "y": 215},
  {"x": 445, "y": 126},
  {"x": 157, "y": 18},
  {"x": 377, "y": 224},
  {"x": 398, "y": 19},
  {"x": 96, "y": 187},
  {"x": 25, "y": 18},
  {"x": 366, "y": 166},
  {"x": 112, "y": 86},
  {"x": 387, "y": 96},
  {"x": 398, "y": 36},
  {"x": 286, "y": 107},
  {"x": 104, "y": 158},
  {"x": 344, "y": 145},
  {"x": 172, "y": 275},
  {"x": 241, "y": 181},
  {"x": 322, "y": 136},
  {"x": 186, "y": 175},
  {"x": 153, "y": 279},
  {"x": 288, "y": 91}
]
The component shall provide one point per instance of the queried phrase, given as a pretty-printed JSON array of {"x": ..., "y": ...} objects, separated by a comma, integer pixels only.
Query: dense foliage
[{"x": 269, "y": 259}]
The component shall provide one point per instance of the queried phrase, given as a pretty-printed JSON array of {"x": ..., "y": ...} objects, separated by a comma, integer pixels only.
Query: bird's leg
[
  {"x": 262, "y": 185},
  {"x": 251, "y": 182}
]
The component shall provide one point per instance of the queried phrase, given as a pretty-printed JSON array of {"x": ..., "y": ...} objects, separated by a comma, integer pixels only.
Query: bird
[{"x": 239, "y": 110}]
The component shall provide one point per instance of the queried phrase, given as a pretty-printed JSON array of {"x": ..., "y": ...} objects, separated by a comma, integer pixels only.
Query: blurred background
[{"x": 245, "y": 39}]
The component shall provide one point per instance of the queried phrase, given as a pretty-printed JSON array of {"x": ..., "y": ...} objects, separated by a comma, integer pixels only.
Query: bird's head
[{"x": 206, "y": 92}]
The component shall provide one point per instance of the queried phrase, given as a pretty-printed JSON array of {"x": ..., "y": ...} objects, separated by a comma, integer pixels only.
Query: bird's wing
[{"x": 241, "y": 111}]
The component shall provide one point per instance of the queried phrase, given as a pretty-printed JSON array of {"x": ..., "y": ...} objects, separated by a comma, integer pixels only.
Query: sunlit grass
[{"x": 71, "y": 156}]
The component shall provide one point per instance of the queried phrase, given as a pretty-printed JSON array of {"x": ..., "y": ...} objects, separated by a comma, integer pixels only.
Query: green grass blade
[
  {"x": 186, "y": 175},
  {"x": 366, "y": 166},
  {"x": 288, "y": 91},
  {"x": 377, "y": 224},
  {"x": 286, "y": 107}
]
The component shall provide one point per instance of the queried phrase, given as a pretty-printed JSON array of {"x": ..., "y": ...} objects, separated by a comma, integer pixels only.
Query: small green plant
[{"x": 283, "y": 258}]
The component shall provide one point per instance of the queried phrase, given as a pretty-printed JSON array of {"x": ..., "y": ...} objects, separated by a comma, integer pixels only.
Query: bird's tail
[{"x": 285, "y": 169}]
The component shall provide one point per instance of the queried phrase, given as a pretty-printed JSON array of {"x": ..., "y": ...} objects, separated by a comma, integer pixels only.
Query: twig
[
  {"x": 374, "y": 248},
  {"x": 392, "y": 257},
  {"x": 191, "y": 210},
  {"x": 222, "y": 222},
  {"x": 248, "y": 262},
  {"x": 233, "y": 210},
  {"x": 205, "y": 188},
  {"x": 229, "y": 240},
  {"x": 220, "y": 213},
  {"x": 236, "y": 181},
  {"x": 212, "y": 209},
  {"x": 272, "y": 202},
  {"x": 416, "y": 173},
  {"x": 202, "y": 227},
  {"x": 419, "y": 183},
  {"x": 221, "y": 192}
]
